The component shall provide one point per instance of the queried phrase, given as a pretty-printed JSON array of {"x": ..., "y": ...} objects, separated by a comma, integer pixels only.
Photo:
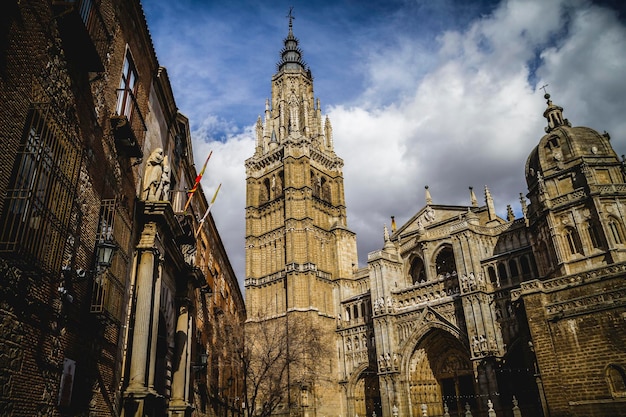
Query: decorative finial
[
  {"x": 490, "y": 205},
  {"x": 523, "y": 203},
  {"x": 510, "y": 216},
  {"x": 291, "y": 17},
  {"x": 473, "y": 197},
  {"x": 543, "y": 87},
  {"x": 429, "y": 199},
  {"x": 393, "y": 224}
]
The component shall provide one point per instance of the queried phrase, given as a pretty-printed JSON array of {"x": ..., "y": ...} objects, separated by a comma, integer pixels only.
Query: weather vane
[{"x": 290, "y": 15}]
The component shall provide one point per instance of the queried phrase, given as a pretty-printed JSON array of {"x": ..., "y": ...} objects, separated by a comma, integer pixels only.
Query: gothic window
[
  {"x": 545, "y": 260},
  {"x": 525, "y": 266},
  {"x": 615, "y": 228},
  {"x": 513, "y": 268},
  {"x": 315, "y": 185},
  {"x": 616, "y": 379},
  {"x": 502, "y": 272},
  {"x": 128, "y": 87},
  {"x": 594, "y": 236},
  {"x": 572, "y": 241},
  {"x": 265, "y": 191},
  {"x": 492, "y": 276},
  {"x": 43, "y": 185},
  {"x": 279, "y": 183},
  {"x": 444, "y": 262},
  {"x": 325, "y": 189},
  {"x": 355, "y": 311},
  {"x": 417, "y": 272}
]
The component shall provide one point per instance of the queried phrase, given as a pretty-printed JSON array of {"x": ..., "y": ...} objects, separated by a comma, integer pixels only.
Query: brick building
[
  {"x": 461, "y": 310},
  {"x": 97, "y": 160}
]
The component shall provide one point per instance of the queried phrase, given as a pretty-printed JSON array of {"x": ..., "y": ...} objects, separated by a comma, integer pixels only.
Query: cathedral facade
[{"x": 461, "y": 311}]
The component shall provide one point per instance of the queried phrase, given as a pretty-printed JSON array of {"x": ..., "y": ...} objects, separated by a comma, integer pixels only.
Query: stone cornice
[{"x": 608, "y": 298}]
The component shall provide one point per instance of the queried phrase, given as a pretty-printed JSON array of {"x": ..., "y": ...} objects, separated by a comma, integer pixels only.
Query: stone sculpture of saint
[
  {"x": 164, "y": 188},
  {"x": 152, "y": 176}
]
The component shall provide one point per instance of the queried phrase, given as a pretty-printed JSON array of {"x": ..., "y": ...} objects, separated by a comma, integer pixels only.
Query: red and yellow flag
[{"x": 197, "y": 182}]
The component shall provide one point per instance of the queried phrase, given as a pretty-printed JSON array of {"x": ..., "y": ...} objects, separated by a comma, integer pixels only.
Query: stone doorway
[
  {"x": 367, "y": 396},
  {"x": 440, "y": 371}
]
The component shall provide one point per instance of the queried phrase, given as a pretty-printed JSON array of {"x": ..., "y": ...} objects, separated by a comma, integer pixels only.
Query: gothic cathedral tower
[{"x": 298, "y": 247}]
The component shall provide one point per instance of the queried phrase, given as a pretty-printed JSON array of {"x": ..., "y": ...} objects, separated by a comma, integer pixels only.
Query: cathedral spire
[{"x": 291, "y": 54}]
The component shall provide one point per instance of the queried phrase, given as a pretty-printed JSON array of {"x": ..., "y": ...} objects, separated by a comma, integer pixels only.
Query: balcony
[
  {"x": 83, "y": 31},
  {"x": 129, "y": 130}
]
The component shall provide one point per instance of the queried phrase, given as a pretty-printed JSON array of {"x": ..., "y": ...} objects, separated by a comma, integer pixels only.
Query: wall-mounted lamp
[
  {"x": 203, "y": 362},
  {"x": 105, "y": 249}
]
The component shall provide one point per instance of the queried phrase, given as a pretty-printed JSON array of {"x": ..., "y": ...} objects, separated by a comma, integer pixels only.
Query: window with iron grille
[
  {"x": 108, "y": 286},
  {"x": 34, "y": 225},
  {"x": 127, "y": 89}
]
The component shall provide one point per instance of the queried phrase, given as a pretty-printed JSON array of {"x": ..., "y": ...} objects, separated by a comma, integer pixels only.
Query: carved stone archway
[
  {"x": 364, "y": 394},
  {"x": 439, "y": 371}
]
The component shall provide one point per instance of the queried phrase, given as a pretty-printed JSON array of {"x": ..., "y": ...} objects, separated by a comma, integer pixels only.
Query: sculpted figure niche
[{"x": 156, "y": 177}]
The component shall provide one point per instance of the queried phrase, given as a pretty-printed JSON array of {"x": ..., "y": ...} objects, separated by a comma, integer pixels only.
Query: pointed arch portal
[
  {"x": 367, "y": 395},
  {"x": 440, "y": 371}
]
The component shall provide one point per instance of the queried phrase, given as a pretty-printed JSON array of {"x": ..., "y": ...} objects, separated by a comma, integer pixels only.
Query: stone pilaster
[{"x": 178, "y": 403}]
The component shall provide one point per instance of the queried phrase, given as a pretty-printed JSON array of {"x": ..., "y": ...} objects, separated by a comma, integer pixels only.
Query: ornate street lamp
[{"x": 105, "y": 249}]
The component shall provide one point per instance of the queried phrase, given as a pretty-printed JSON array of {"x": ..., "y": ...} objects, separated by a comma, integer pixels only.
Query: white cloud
[
  {"x": 475, "y": 117},
  {"x": 226, "y": 167},
  {"x": 462, "y": 111}
]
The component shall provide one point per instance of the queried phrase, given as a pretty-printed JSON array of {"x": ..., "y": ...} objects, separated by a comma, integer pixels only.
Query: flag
[
  {"x": 208, "y": 210},
  {"x": 197, "y": 182}
]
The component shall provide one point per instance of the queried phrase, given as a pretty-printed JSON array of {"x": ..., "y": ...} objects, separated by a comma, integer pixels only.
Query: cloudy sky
[{"x": 419, "y": 92}]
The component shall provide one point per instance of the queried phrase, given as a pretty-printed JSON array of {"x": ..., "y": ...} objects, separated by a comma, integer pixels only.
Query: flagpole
[
  {"x": 207, "y": 211},
  {"x": 197, "y": 182}
]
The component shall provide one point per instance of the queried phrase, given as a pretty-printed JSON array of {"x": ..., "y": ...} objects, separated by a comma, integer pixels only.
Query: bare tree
[{"x": 279, "y": 360}]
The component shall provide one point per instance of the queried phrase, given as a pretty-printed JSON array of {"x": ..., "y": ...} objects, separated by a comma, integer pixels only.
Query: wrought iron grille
[
  {"x": 35, "y": 222},
  {"x": 89, "y": 12},
  {"x": 108, "y": 296},
  {"x": 108, "y": 287}
]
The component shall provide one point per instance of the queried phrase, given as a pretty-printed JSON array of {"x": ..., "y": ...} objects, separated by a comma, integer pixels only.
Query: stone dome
[{"x": 564, "y": 146}]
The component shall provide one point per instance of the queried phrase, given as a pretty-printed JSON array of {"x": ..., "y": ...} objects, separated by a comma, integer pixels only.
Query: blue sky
[{"x": 440, "y": 93}]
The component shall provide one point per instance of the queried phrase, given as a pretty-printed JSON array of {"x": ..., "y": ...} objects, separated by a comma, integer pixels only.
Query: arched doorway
[
  {"x": 440, "y": 371},
  {"x": 367, "y": 395}
]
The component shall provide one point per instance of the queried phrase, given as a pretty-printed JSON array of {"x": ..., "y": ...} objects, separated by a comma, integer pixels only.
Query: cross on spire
[
  {"x": 290, "y": 15},
  {"x": 543, "y": 87}
]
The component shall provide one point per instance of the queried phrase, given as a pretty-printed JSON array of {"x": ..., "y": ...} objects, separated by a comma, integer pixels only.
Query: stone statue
[
  {"x": 164, "y": 188},
  {"x": 153, "y": 176}
]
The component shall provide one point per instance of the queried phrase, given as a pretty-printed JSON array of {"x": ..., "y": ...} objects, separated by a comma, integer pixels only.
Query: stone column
[
  {"x": 145, "y": 278},
  {"x": 138, "y": 396},
  {"x": 178, "y": 403},
  {"x": 155, "y": 324}
]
